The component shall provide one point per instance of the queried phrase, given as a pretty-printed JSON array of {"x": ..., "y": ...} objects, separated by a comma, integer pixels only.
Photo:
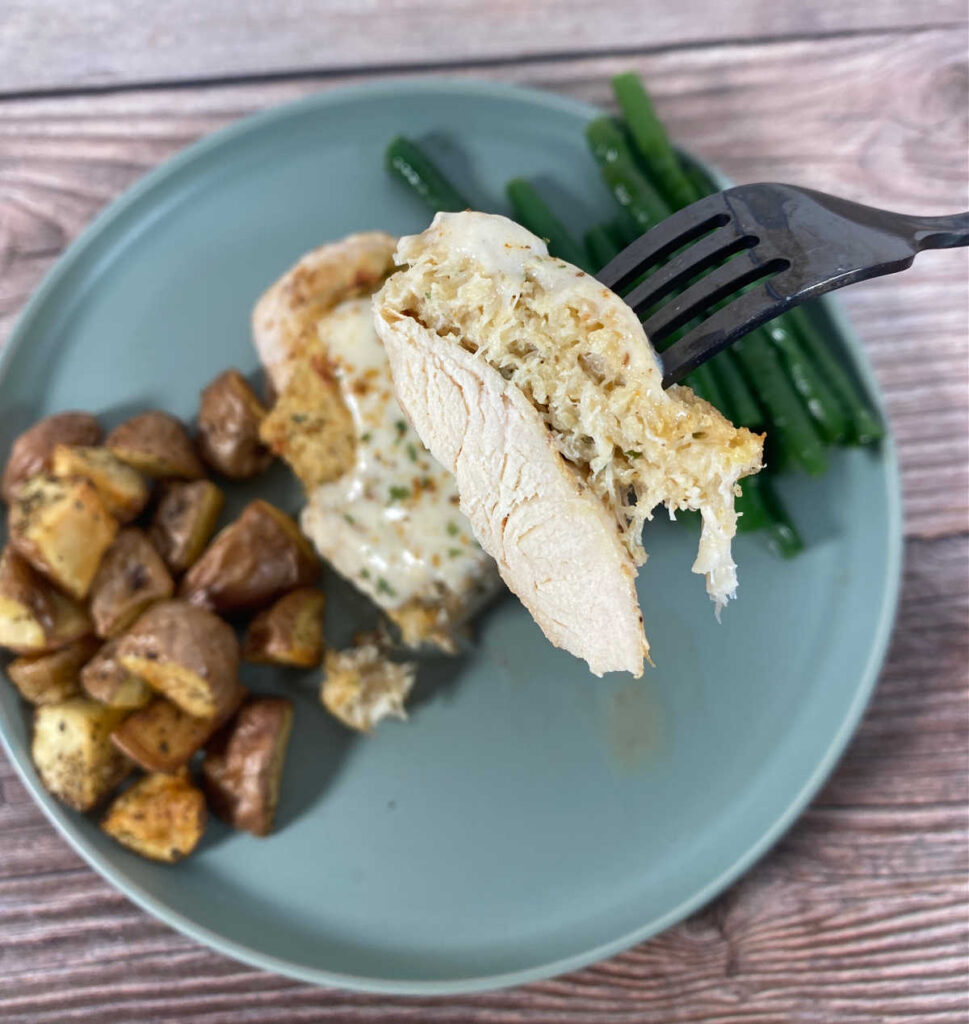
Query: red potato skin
[
  {"x": 163, "y": 446},
  {"x": 31, "y": 452},
  {"x": 242, "y": 770},
  {"x": 184, "y": 521},
  {"x": 61, "y": 619},
  {"x": 174, "y": 633},
  {"x": 251, "y": 562},
  {"x": 229, "y": 418},
  {"x": 160, "y": 737},
  {"x": 132, "y": 576},
  {"x": 289, "y": 632}
]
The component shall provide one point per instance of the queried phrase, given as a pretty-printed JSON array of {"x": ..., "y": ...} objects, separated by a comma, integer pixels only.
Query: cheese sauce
[{"x": 391, "y": 524}]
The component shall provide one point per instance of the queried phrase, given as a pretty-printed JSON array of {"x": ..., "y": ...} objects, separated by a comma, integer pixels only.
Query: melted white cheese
[
  {"x": 502, "y": 251},
  {"x": 392, "y": 523}
]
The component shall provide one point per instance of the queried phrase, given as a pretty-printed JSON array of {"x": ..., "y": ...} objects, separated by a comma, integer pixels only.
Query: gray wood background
[{"x": 861, "y": 913}]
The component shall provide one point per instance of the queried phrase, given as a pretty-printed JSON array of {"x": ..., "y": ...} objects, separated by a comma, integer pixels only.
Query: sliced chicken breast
[
  {"x": 556, "y": 546},
  {"x": 379, "y": 509},
  {"x": 538, "y": 388}
]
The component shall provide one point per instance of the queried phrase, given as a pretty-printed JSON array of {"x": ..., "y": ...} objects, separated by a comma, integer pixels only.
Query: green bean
[
  {"x": 532, "y": 212},
  {"x": 782, "y": 534},
  {"x": 825, "y": 409},
  {"x": 699, "y": 181},
  {"x": 601, "y": 246},
  {"x": 865, "y": 427},
  {"x": 651, "y": 140},
  {"x": 405, "y": 159},
  {"x": 623, "y": 229},
  {"x": 625, "y": 181},
  {"x": 762, "y": 365},
  {"x": 704, "y": 382},
  {"x": 744, "y": 409}
]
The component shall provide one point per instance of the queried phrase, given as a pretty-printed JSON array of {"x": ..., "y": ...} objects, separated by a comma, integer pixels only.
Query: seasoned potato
[
  {"x": 105, "y": 679},
  {"x": 123, "y": 490},
  {"x": 73, "y": 752},
  {"x": 157, "y": 445},
  {"x": 161, "y": 817},
  {"x": 52, "y": 678},
  {"x": 31, "y": 452},
  {"x": 185, "y": 521},
  {"x": 252, "y": 561},
  {"x": 185, "y": 653},
  {"x": 132, "y": 576},
  {"x": 229, "y": 418},
  {"x": 34, "y": 616},
  {"x": 362, "y": 686},
  {"x": 62, "y": 528},
  {"x": 161, "y": 737},
  {"x": 290, "y": 632},
  {"x": 243, "y": 765},
  {"x": 311, "y": 428}
]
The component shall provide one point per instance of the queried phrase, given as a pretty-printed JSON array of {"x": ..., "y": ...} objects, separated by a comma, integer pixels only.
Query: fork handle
[{"x": 941, "y": 232}]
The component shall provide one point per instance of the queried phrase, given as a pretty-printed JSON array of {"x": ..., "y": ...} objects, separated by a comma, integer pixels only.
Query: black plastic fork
[{"x": 772, "y": 247}]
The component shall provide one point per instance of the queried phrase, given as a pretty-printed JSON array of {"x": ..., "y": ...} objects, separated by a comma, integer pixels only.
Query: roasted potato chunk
[
  {"x": 229, "y": 418},
  {"x": 185, "y": 653},
  {"x": 63, "y": 529},
  {"x": 124, "y": 491},
  {"x": 311, "y": 428},
  {"x": 34, "y": 617},
  {"x": 52, "y": 678},
  {"x": 73, "y": 752},
  {"x": 157, "y": 445},
  {"x": 161, "y": 817},
  {"x": 131, "y": 577},
  {"x": 362, "y": 686},
  {"x": 243, "y": 765},
  {"x": 185, "y": 521},
  {"x": 161, "y": 737},
  {"x": 106, "y": 680},
  {"x": 31, "y": 452},
  {"x": 252, "y": 561},
  {"x": 290, "y": 632}
]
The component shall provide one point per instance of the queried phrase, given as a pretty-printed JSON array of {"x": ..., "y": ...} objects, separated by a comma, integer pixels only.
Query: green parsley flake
[
  {"x": 383, "y": 587},
  {"x": 454, "y": 552},
  {"x": 349, "y": 519},
  {"x": 365, "y": 574},
  {"x": 399, "y": 493},
  {"x": 411, "y": 452},
  {"x": 633, "y": 455},
  {"x": 401, "y": 429},
  {"x": 453, "y": 529},
  {"x": 366, "y": 437}
]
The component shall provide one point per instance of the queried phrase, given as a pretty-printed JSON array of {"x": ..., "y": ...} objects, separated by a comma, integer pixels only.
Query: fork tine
[
  {"x": 737, "y": 273},
  {"x": 721, "y": 328},
  {"x": 664, "y": 239},
  {"x": 709, "y": 251}
]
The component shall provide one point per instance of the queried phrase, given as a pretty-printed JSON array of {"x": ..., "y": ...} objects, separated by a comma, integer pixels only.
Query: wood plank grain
[
  {"x": 56, "y": 44},
  {"x": 878, "y": 118},
  {"x": 858, "y": 914}
]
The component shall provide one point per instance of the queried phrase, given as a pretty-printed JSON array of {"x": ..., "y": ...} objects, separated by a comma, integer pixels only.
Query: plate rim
[{"x": 239, "y": 951}]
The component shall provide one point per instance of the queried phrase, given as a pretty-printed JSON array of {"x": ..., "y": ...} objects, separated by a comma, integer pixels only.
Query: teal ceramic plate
[{"x": 529, "y": 818}]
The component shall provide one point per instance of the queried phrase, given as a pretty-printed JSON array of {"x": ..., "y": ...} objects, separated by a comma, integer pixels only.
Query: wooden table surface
[{"x": 860, "y": 913}]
